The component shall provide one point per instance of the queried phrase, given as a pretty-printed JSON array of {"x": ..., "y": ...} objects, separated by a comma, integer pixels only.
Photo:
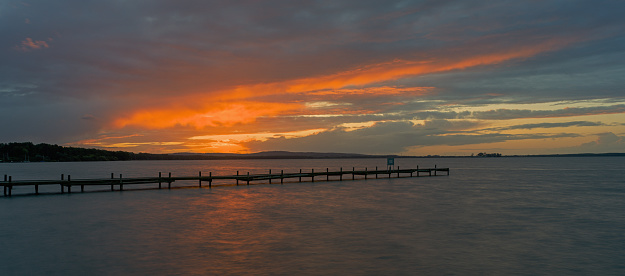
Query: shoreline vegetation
[{"x": 29, "y": 152}]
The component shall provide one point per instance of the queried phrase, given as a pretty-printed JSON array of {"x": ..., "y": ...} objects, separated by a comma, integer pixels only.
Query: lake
[{"x": 490, "y": 216}]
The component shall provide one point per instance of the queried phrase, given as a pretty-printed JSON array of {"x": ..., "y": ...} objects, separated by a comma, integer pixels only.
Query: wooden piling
[
  {"x": 159, "y": 180},
  {"x": 270, "y": 176},
  {"x": 169, "y": 181},
  {"x": 327, "y": 174},
  {"x": 376, "y": 172},
  {"x": 341, "y": 175},
  {"x": 200, "y": 179},
  {"x": 353, "y": 170},
  {"x": 121, "y": 183},
  {"x": 237, "y": 178},
  {"x": 112, "y": 177},
  {"x": 397, "y": 171},
  {"x": 365, "y": 172},
  {"x": 69, "y": 185},
  {"x": 300, "y": 175},
  {"x": 281, "y": 176},
  {"x": 312, "y": 176},
  {"x": 210, "y": 179},
  {"x": 248, "y": 178}
]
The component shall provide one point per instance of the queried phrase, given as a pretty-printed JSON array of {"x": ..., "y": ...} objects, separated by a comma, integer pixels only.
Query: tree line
[{"x": 29, "y": 152}]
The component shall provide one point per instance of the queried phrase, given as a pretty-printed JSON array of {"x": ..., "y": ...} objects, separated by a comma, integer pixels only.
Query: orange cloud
[
  {"x": 236, "y": 106},
  {"x": 218, "y": 114},
  {"x": 397, "y": 69},
  {"x": 29, "y": 44}
]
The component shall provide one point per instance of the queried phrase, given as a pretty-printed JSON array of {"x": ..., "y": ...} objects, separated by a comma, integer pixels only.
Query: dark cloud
[
  {"x": 506, "y": 114},
  {"x": 393, "y": 137},
  {"x": 552, "y": 125},
  {"x": 605, "y": 142}
]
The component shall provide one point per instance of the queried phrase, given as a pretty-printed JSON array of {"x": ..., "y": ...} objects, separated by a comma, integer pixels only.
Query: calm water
[{"x": 491, "y": 216}]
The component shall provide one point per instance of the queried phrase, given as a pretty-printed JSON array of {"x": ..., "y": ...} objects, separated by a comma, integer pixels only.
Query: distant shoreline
[{"x": 29, "y": 152}]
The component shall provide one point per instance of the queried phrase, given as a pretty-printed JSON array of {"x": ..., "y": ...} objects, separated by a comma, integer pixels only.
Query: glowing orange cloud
[
  {"x": 235, "y": 106},
  {"x": 388, "y": 71},
  {"x": 220, "y": 114}
]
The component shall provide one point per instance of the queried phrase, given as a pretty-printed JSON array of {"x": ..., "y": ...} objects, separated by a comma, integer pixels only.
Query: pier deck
[{"x": 66, "y": 184}]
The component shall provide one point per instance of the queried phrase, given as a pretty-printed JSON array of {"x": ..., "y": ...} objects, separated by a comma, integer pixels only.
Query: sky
[{"x": 425, "y": 77}]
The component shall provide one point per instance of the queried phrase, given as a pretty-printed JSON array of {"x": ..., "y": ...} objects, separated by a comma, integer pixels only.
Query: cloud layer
[{"x": 349, "y": 76}]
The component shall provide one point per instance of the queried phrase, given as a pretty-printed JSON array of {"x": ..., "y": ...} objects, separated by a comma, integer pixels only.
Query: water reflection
[{"x": 487, "y": 217}]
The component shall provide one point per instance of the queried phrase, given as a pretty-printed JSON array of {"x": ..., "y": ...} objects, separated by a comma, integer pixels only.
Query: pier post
[
  {"x": 36, "y": 189},
  {"x": 159, "y": 180},
  {"x": 434, "y": 170},
  {"x": 169, "y": 181},
  {"x": 121, "y": 183},
  {"x": 200, "y": 179},
  {"x": 112, "y": 177},
  {"x": 376, "y": 172},
  {"x": 237, "y": 178},
  {"x": 69, "y": 184},
  {"x": 341, "y": 175},
  {"x": 10, "y": 186},
  {"x": 281, "y": 176},
  {"x": 269, "y": 176},
  {"x": 62, "y": 178},
  {"x": 210, "y": 179},
  {"x": 300, "y": 175},
  {"x": 417, "y": 170},
  {"x": 327, "y": 174},
  {"x": 248, "y": 178},
  {"x": 397, "y": 171},
  {"x": 312, "y": 175},
  {"x": 353, "y": 170},
  {"x": 365, "y": 172}
]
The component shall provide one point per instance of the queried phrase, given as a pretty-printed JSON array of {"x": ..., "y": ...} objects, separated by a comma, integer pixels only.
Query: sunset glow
[{"x": 426, "y": 78}]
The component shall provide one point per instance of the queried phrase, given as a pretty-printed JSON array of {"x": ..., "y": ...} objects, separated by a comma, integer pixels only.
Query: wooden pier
[{"x": 117, "y": 183}]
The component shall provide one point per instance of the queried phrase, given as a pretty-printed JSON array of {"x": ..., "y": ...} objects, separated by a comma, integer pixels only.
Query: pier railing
[{"x": 66, "y": 183}]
